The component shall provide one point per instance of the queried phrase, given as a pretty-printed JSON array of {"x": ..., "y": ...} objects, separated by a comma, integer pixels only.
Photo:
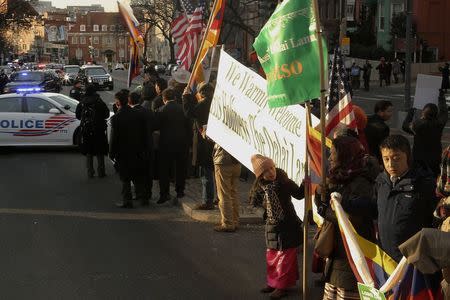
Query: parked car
[
  {"x": 160, "y": 68},
  {"x": 71, "y": 73},
  {"x": 25, "y": 80},
  {"x": 119, "y": 66},
  {"x": 95, "y": 75}
]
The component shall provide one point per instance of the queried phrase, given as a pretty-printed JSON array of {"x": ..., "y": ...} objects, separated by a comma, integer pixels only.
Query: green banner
[
  {"x": 288, "y": 50},
  {"x": 369, "y": 293}
]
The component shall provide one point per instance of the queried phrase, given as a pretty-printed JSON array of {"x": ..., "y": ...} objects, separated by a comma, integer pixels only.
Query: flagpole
[
  {"x": 308, "y": 205},
  {"x": 322, "y": 98},
  {"x": 197, "y": 58}
]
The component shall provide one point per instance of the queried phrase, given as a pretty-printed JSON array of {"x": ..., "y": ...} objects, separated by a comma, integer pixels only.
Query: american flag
[
  {"x": 186, "y": 31},
  {"x": 339, "y": 105}
]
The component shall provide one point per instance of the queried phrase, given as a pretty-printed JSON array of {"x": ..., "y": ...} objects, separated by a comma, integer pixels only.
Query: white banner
[
  {"x": 427, "y": 90},
  {"x": 241, "y": 122}
]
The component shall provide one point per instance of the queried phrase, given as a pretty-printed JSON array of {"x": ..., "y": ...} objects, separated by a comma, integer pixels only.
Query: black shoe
[
  {"x": 180, "y": 195},
  {"x": 162, "y": 200},
  {"x": 267, "y": 289},
  {"x": 124, "y": 205}
]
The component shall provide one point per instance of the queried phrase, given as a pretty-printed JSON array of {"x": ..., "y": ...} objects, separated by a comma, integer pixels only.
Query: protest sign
[
  {"x": 242, "y": 123},
  {"x": 427, "y": 90},
  {"x": 367, "y": 292}
]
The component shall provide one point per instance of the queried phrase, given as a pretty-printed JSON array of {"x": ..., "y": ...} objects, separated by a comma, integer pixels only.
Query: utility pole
[{"x": 407, "y": 102}]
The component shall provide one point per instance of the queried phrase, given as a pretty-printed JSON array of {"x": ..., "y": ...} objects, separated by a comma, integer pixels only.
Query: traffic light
[{"x": 266, "y": 8}]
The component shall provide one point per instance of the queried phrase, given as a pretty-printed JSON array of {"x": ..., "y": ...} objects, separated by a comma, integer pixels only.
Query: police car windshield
[
  {"x": 71, "y": 70},
  {"x": 95, "y": 71},
  {"x": 27, "y": 76},
  {"x": 64, "y": 100}
]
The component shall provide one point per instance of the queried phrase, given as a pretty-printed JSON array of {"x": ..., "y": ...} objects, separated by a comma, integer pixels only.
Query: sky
[{"x": 109, "y": 5}]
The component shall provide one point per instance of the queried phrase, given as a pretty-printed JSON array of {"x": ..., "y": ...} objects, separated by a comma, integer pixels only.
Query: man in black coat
[
  {"x": 198, "y": 111},
  {"x": 427, "y": 131},
  {"x": 129, "y": 148},
  {"x": 376, "y": 129},
  {"x": 76, "y": 92},
  {"x": 173, "y": 145},
  {"x": 93, "y": 113},
  {"x": 134, "y": 101}
]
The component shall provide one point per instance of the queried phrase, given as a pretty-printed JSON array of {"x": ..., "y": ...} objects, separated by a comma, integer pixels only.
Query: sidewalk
[{"x": 193, "y": 197}]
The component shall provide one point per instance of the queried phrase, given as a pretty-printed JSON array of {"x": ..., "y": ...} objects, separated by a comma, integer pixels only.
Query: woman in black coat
[{"x": 93, "y": 113}]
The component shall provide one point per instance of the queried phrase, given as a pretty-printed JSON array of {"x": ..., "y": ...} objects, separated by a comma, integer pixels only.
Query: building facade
[{"x": 99, "y": 37}]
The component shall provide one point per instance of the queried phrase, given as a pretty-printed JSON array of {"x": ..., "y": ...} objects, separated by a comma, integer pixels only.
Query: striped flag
[
  {"x": 339, "y": 105},
  {"x": 135, "y": 39},
  {"x": 211, "y": 38},
  {"x": 188, "y": 35}
]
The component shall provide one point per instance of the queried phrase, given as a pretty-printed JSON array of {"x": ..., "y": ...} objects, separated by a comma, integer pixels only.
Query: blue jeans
[{"x": 207, "y": 177}]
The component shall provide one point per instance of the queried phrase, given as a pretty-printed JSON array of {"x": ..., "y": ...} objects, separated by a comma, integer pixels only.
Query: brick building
[
  {"x": 433, "y": 25},
  {"x": 105, "y": 32}
]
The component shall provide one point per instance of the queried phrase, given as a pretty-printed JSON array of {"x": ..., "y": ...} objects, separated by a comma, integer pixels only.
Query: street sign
[
  {"x": 367, "y": 292},
  {"x": 345, "y": 46}
]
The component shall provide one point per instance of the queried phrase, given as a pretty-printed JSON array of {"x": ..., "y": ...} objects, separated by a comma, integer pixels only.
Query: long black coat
[
  {"x": 149, "y": 118},
  {"x": 97, "y": 144},
  {"x": 199, "y": 112},
  {"x": 445, "y": 77},
  {"x": 174, "y": 128},
  {"x": 287, "y": 233},
  {"x": 129, "y": 143},
  {"x": 427, "y": 146},
  {"x": 376, "y": 131}
]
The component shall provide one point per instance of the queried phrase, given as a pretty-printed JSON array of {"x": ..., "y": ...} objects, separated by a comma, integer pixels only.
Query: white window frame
[
  {"x": 392, "y": 8},
  {"x": 74, "y": 40},
  {"x": 381, "y": 17},
  {"x": 95, "y": 40},
  {"x": 82, "y": 27},
  {"x": 104, "y": 27},
  {"x": 121, "y": 41},
  {"x": 82, "y": 40},
  {"x": 112, "y": 28},
  {"x": 95, "y": 28}
]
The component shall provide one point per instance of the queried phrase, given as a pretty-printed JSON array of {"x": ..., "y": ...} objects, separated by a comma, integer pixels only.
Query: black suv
[
  {"x": 96, "y": 76},
  {"x": 26, "y": 80}
]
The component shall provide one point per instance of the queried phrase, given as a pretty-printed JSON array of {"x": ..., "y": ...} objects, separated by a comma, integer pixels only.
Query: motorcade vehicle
[
  {"x": 95, "y": 75},
  {"x": 70, "y": 74},
  {"x": 160, "y": 68},
  {"x": 37, "y": 80},
  {"x": 7, "y": 69},
  {"x": 170, "y": 68},
  {"x": 38, "y": 119}
]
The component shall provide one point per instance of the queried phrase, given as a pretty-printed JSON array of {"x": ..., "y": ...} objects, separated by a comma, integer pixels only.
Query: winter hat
[{"x": 260, "y": 164}]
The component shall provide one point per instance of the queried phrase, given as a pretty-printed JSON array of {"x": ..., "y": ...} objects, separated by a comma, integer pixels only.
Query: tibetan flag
[
  {"x": 315, "y": 151},
  {"x": 130, "y": 20},
  {"x": 133, "y": 70},
  {"x": 212, "y": 34},
  {"x": 418, "y": 286},
  {"x": 288, "y": 50}
]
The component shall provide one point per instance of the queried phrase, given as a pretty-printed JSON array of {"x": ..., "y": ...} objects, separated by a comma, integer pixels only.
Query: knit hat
[{"x": 260, "y": 164}]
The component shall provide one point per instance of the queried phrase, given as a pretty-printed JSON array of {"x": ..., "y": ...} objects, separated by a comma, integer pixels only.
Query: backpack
[{"x": 87, "y": 120}]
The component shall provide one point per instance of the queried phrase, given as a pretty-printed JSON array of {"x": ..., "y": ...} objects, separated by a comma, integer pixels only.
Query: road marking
[{"x": 85, "y": 214}]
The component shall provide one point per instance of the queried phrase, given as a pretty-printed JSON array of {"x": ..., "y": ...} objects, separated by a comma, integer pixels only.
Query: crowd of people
[{"x": 376, "y": 173}]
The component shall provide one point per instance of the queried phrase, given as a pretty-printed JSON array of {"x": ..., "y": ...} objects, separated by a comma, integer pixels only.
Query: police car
[{"x": 37, "y": 119}]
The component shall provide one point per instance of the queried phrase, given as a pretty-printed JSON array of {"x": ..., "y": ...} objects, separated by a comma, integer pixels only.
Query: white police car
[{"x": 37, "y": 119}]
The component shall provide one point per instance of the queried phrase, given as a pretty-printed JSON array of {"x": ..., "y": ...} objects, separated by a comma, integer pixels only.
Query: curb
[{"x": 213, "y": 216}]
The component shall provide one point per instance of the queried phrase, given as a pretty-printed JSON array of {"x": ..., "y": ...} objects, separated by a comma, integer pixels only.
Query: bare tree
[
  {"x": 238, "y": 16},
  {"x": 156, "y": 14}
]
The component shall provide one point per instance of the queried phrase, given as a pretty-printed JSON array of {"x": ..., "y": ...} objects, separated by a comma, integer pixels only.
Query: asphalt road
[{"x": 62, "y": 238}]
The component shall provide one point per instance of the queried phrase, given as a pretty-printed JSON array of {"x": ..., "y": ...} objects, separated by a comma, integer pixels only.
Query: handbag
[{"x": 325, "y": 240}]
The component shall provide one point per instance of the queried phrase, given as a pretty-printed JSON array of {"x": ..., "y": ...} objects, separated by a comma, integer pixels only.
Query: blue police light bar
[{"x": 31, "y": 89}]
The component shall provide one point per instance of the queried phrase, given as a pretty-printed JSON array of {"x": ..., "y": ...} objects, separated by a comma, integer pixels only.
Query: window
[
  {"x": 107, "y": 40},
  {"x": 24, "y": 47},
  {"x": 79, "y": 53},
  {"x": 112, "y": 28},
  {"x": 82, "y": 40},
  {"x": 39, "y": 106},
  {"x": 396, "y": 9},
  {"x": 104, "y": 27},
  {"x": 96, "y": 52},
  {"x": 82, "y": 27},
  {"x": 121, "y": 41},
  {"x": 74, "y": 40},
  {"x": 121, "y": 53},
  {"x": 381, "y": 16},
  {"x": 11, "y": 105},
  {"x": 95, "y": 27},
  {"x": 95, "y": 40}
]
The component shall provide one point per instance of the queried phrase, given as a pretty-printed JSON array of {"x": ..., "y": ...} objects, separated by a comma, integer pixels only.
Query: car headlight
[
  {"x": 66, "y": 77},
  {"x": 89, "y": 79},
  {"x": 110, "y": 78}
]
